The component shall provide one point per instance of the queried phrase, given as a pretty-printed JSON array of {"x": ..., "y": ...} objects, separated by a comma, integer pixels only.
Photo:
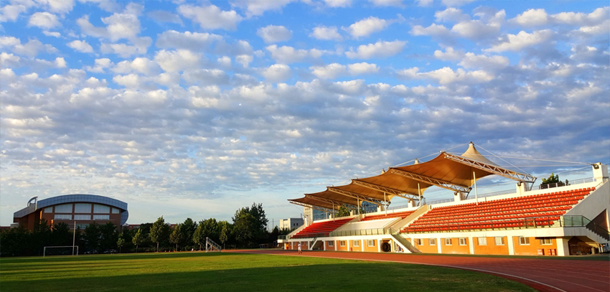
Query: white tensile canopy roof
[{"x": 454, "y": 172}]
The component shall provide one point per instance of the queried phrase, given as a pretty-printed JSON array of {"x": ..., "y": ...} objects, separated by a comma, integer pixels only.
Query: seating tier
[
  {"x": 534, "y": 210},
  {"x": 321, "y": 228},
  {"x": 389, "y": 215}
]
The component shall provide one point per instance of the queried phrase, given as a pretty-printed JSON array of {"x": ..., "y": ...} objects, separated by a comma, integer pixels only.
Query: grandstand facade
[
  {"x": 77, "y": 210},
  {"x": 559, "y": 221}
]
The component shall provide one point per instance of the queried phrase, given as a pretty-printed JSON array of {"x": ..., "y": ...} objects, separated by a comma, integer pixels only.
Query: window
[
  {"x": 101, "y": 217},
  {"x": 370, "y": 242},
  {"x": 82, "y": 226},
  {"x": 432, "y": 241},
  {"x": 356, "y": 243},
  {"x": 116, "y": 211},
  {"x": 48, "y": 210},
  {"x": 82, "y": 217},
  {"x": 447, "y": 241},
  {"x": 418, "y": 241},
  {"x": 331, "y": 243},
  {"x": 342, "y": 243},
  {"x": 462, "y": 241},
  {"x": 546, "y": 241},
  {"x": 101, "y": 209},
  {"x": 65, "y": 208},
  {"x": 499, "y": 240},
  {"x": 482, "y": 240},
  {"x": 82, "y": 208},
  {"x": 63, "y": 217},
  {"x": 524, "y": 240}
]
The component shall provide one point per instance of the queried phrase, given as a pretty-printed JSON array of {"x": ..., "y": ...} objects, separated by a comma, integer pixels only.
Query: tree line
[{"x": 248, "y": 229}]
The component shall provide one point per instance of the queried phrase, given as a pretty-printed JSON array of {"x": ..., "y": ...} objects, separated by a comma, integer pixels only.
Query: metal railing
[
  {"x": 582, "y": 221},
  {"x": 566, "y": 183},
  {"x": 372, "y": 231}
]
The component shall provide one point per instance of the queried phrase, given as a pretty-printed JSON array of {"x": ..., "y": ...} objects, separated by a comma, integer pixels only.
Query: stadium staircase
[
  {"x": 405, "y": 244},
  {"x": 320, "y": 229},
  {"x": 541, "y": 210}
]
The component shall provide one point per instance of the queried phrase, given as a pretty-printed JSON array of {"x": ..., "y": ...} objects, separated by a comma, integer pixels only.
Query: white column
[
  {"x": 438, "y": 245},
  {"x": 471, "y": 244},
  {"x": 563, "y": 249},
  {"x": 378, "y": 245},
  {"x": 324, "y": 242},
  {"x": 292, "y": 245},
  {"x": 511, "y": 245},
  {"x": 335, "y": 245},
  {"x": 361, "y": 244}
]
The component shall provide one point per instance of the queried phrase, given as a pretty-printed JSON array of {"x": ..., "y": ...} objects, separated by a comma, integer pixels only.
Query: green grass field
[{"x": 234, "y": 272}]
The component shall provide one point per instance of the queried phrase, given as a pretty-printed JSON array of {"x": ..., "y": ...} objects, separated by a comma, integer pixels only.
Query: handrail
[
  {"x": 372, "y": 231},
  {"x": 582, "y": 221}
]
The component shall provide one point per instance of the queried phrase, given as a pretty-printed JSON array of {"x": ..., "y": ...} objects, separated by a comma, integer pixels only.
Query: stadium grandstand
[
  {"x": 555, "y": 220},
  {"x": 75, "y": 210}
]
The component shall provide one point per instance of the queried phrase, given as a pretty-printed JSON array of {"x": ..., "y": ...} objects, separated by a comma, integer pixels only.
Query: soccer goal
[{"x": 60, "y": 250}]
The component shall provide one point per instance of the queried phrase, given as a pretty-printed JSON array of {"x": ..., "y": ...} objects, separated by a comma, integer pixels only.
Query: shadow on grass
[{"x": 291, "y": 277}]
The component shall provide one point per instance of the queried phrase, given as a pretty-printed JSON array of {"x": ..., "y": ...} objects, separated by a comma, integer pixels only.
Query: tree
[
  {"x": 61, "y": 234},
  {"x": 120, "y": 242},
  {"x": 138, "y": 239},
  {"x": 552, "y": 179},
  {"x": 225, "y": 232},
  {"x": 199, "y": 235},
  {"x": 188, "y": 229},
  {"x": 109, "y": 236},
  {"x": 244, "y": 228},
  {"x": 343, "y": 211},
  {"x": 177, "y": 235},
  {"x": 159, "y": 231},
  {"x": 92, "y": 237}
]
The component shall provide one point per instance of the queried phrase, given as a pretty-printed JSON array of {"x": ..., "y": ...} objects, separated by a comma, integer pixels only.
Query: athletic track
[{"x": 544, "y": 275}]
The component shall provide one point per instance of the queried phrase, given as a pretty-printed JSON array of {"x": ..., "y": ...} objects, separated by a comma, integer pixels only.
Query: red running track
[{"x": 541, "y": 274}]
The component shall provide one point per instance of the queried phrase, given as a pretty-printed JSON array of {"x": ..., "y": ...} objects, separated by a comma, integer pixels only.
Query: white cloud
[
  {"x": 449, "y": 55},
  {"x": 43, "y": 20},
  {"x": 8, "y": 60},
  {"x": 326, "y": 33},
  {"x": 447, "y": 75},
  {"x": 432, "y": 30},
  {"x": 224, "y": 61},
  {"x": 124, "y": 50},
  {"x": 367, "y": 27},
  {"x": 477, "y": 29},
  {"x": 362, "y": 68},
  {"x": 274, "y": 34},
  {"x": 277, "y": 73},
  {"x": 211, "y": 17},
  {"x": 379, "y": 49},
  {"x": 487, "y": 62},
  {"x": 60, "y": 62},
  {"x": 9, "y": 41},
  {"x": 396, "y": 3},
  {"x": 424, "y": 3},
  {"x": 52, "y": 33},
  {"x": 244, "y": 60},
  {"x": 287, "y": 55},
  {"x": 456, "y": 3},
  {"x": 338, "y": 3},
  {"x": 258, "y": 7},
  {"x": 578, "y": 18},
  {"x": 100, "y": 65},
  {"x": 59, "y": 6},
  {"x": 175, "y": 61},
  {"x": 531, "y": 17},
  {"x": 602, "y": 28},
  {"x": 81, "y": 46},
  {"x": 138, "y": 65},
  {"x": 11, "y": 12},
  {"x": 521, "y": 40},
  {"x": 193, "y": 41},
  {"x": 451, "y": 15},
  {"x": 330, "y": 71}
]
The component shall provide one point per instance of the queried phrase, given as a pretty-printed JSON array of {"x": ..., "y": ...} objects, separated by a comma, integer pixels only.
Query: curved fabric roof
[
  {"x": 76, "y": 198},
  {"x": 449, "y": 171}
]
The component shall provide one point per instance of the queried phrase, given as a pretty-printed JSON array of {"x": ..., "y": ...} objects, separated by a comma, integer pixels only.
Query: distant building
[
  {"x": 80, "y": 209},
  {"x": 291, "y": 223}
]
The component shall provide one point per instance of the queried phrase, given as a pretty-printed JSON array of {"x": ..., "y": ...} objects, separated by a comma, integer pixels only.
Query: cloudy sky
[{"x": 194, "y": 109}]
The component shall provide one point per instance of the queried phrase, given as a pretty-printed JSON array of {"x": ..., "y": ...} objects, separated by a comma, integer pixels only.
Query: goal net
[{"x": 60, "y": 250}]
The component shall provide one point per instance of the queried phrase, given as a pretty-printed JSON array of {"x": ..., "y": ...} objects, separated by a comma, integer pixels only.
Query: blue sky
[{"x": 194, "y": 109}]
